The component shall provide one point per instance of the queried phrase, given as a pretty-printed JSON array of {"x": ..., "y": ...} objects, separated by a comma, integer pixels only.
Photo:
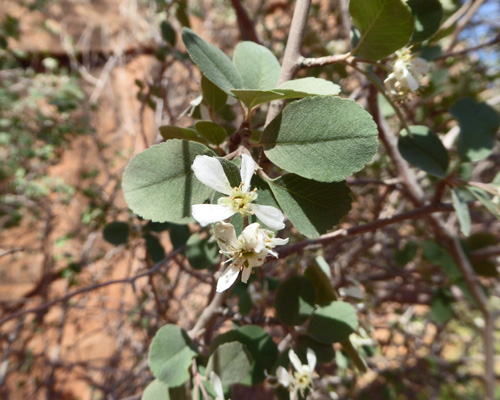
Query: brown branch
[
  {"x": 292, "y": 56},
  {"x": 463, "y": 23},
  {"x": 369, "y": 227},
  {"x": 131, "y": 280},
  {"x": 246, "y": 25}
]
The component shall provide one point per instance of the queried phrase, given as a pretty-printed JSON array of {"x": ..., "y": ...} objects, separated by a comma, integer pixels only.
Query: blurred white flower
[
  {"x": 244, "y": 252},
  {"x": 407, "y": 74},
  {"x": 301, "y": 379},
  {"x": 209, "y": 171},
  {"x": 217, "y": 384}
]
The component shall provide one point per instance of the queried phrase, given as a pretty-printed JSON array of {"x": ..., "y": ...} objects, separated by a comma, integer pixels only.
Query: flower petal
[
  {"x": 209, "y": 213},
  {"x": 227, "y": 278},
  {"x": 282, "y": 375},
  {"x": 217, "y": 384},
  {"x": 245, "y": 274},
  {"x": 246, "y": 172},
  {"x": 253, "y": 237},
  {"x": 225, "y": 235},
  {"x": 311, "y": 359},
  {"x": 270, "y": 216},
  {"x": 209, "y": 171},
  {"x": 295, "y": 360}
]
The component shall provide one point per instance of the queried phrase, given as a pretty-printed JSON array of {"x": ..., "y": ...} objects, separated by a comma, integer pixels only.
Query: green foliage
[
  {"x": 257, "y": 66},
  {"x": 427, "y": 15},
  {"x": 424, "y": 150},
  {"x": 324, "y": 352},
  {"x": 116, "y": 233},
  {"x": 159, "y": 184},
  {"x": 231, "y": 361},
  {"x": 259, "y": 345},
  {"x": 175, "y": 132},
  {"x": 210, "y": 131},
  {"x": 212, "y": 95},
  {"x": 479, "y": 124},
  {"x": 201, "y": 253},
  {"x": 295, "y": 300},
  {"x": 168, "y": 33},
  {"x": 170, "y": 355},
  {"x": 324, "y": 138},
  {"x": 312, "y": 207},
  {"x": 406, "y": 254},
  {"x": 213, "y": 63},
  {"x": 462, "y": 209},
  {"x": 333, "y": 322},
  {"x": 385, "y": 26},
  {"x": 156, "y": 390}
]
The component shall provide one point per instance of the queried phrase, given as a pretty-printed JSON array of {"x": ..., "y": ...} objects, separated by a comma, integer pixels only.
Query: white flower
[
  {"x": 247, "y": 251},
  {"x": 217, "y": 384},
  {"x": 209, "y": 171},
  {"x": 407, "y": 74},
  {"x": 301, "y": 379}
]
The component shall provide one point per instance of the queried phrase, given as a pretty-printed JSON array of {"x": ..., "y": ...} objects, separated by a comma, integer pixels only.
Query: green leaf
[
  {"x": 479, "y": 124},
  {"x": 385, "y": 26},
  {"x": 325, "y": 293},
  {"x": 483, "y": 267},
  {"x": 258, "y": 67},
  {"x": 155, "y": 249},
  {"x": 156, "y": 390},
  {"x": 253, "y": 98},
  {"x": 424, "y": 150},
  {"x": 211, "y": 131},
  {"x": 294, "y": 300},
  {"x": 231, "y": 361},
  {"x": 325, "y": 138},
  {"x": 212, "y": 95},
  {"x": 441, "y": 306},
  {"x": 298, "y": 88},
  {"x": 116, "y": 233},
  {"x": 436, "y": 255},
  {"x": 310, "y": 86},
  {"x": 406, "y": 254},
  {"x": 213, "y": 63},
  {"x": 170, "y": 355},
  {"x": 168, "y": 33},
  {"x": 333, "y": 323},
  {"x": 201, "y": 253},
  {"x": 427, "y": 15},
  {"x": 485, "y": 200},
  {"x": 179, "y": 235},
  {"x": 259, "y": 344},
  {"x": 324, "y": 352},
  {"x": 175, "y": 132},
  {"x": 462, "y": 210},
  {"x": 312, "y": 207},
  {"x": 159, "y": 184}
]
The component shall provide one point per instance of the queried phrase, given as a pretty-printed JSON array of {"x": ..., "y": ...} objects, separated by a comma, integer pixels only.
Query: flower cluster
[
  {"x": 407, "y": 74},
  {"x": 255, "y": 243},
  {"x": 302, "y": 379}
]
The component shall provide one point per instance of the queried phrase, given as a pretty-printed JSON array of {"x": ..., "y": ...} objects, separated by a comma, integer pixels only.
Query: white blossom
[
  {"x": 217, "y": 384},
  {"x": 239, "y": 199},
  {"x": 244, "y": 252},
  {"x": 407, "y": 74},
  {"x": 302, "y": 378}
]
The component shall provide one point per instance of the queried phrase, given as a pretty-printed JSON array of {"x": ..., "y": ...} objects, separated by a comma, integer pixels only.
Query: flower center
[{"x": 238, "y": 200}]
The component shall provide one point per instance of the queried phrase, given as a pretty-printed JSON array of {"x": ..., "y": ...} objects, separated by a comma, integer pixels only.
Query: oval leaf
[
  {"x": 156, "y": 390},
  {"x": 333, "y": 322},
  {"x": 116, "y": 233},
  {"x": 385, "y": 26},
  {"x": 324, "y": 138},
  {"x": 159, "y": 185},
  {"x": 201, "y": 253},
  {"x": 258, "y": 67},
  {"x": 479, "y": 124},
  {"x": 424, "y": 150},
  {"x": 427, "y": 15},
  {"x": 294, "y": 300},
  {"x": 309, "y": 86},
  {"x": 213, "y": 63},
  {"x": 176, "y": 132},
  {"x": 462, "y": 210},
  {"x": 259, "y": 344},
  {"x": 312, "y": 207},
  {"x": 211, "y": 131},
  {"x": 170, "y": 355},
  {"x": 231, "y": 361}
]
